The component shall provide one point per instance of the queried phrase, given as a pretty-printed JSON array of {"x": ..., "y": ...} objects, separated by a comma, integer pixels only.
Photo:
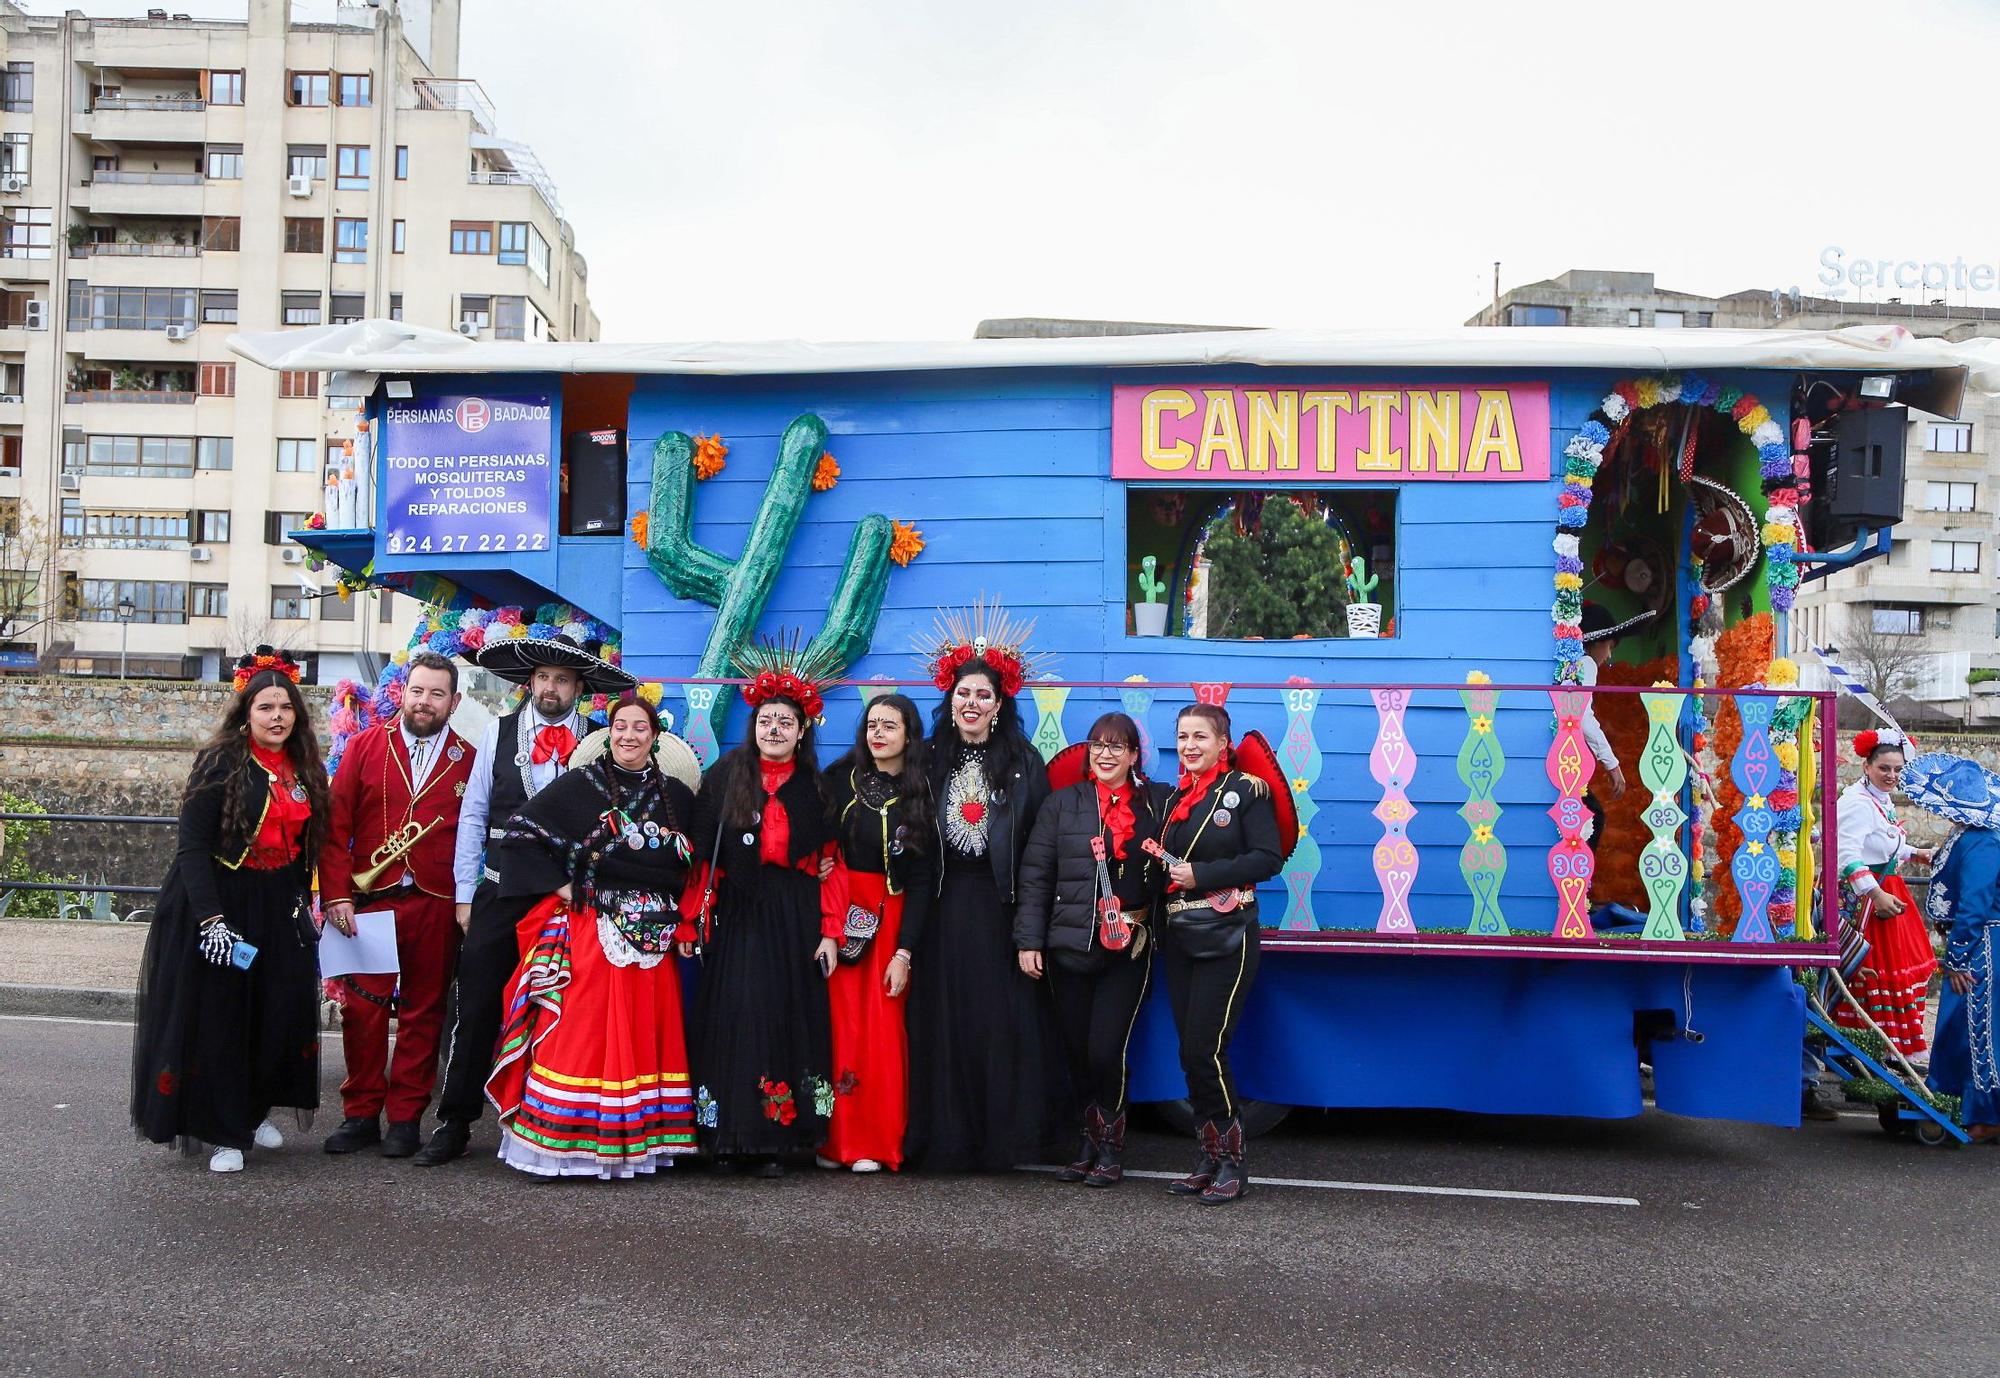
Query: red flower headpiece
[
  {"x": 782, "y": 670},
  {"x": 248, "y": 667},
  {"x": 987, "y": 633},
  {"x": 1865, "y": 742}
]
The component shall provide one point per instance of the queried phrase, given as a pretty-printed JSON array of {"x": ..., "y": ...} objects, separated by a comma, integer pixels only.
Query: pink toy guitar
[
  {"x": 1114, "y": 930},
  {"x": 1221, "y": 901}
]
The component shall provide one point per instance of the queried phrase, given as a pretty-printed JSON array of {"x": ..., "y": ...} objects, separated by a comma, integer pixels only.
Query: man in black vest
[{"x": 519, "y": 755}]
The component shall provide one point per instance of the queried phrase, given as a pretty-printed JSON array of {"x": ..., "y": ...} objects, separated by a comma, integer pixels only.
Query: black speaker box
[
  {"x": 595, "y": 461},
  {"x": 1864, "y": 479}
]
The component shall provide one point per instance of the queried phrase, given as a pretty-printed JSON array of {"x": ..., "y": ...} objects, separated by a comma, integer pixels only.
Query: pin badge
[
  {"x": 635, "y": 842},
  {"x": 651, "y": 829},
  {"x": 1222, "y": 817},
  {"x": 521, "y": 758},
  {"x": 1231, "y": 799},
  {"x": 454, "y": 752},
  {"x": 749, "y": 839},
  {"x": 298, "y": 794}
]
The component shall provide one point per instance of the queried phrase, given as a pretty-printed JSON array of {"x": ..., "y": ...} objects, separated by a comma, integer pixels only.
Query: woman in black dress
[
  {"x": 979, "y": 1058},
  {"x": 1085, "y": 850},
  {"x": 228, "y": 1012},
  {"x": 760, "y": 1045},
  {"x": 1222, "y": 840}
]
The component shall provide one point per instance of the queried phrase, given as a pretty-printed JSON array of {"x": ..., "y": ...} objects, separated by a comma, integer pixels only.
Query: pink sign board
[{"x": 1370, "y": 433}]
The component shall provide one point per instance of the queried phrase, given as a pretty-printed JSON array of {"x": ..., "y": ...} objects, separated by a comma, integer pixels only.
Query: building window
[
  {"x": 1950, "y": 438},
  {"x": 294, "y": 385},
  {"x": 1950, "y": 497},
  {"x": 151, "y": 600},
  {"x": 306, "y": 160},
  {"x": 395, "y": 306},
  {"x": 123, "y": 530},
  {"x": 350, "y": 241},
  {"x": 133, "y": 308},
  {"x": 1633, "y": 316},
  {"x": 300, "y": 308},
  {"x": 276, "y": 524},
  {"x": 336, "y": 605},
  {"x": 1538, "y": 315},
  {"x": 1891, "y": 620},
  {"x": 225, "y": 88},
  {"x": 218, "y": 308},
  {"x": 353, "y": 164},
  {"x": 134, "y": 456},
  {"x": 14, "y": 155},
  {"x": 510, "y": 318},
  {"x": 306, "y": 88},
  {"x": 296, "y": 457},
  {"x": 24, "y": 231},
  {"x": 215, "y": 452},
  {"x": 471, "y": 237},
  {"x": 221, "y": 234},
  {"x": 211, "y": 528},
  {"x": 1955, "y": 557},
  {"x": 349, "y": 307},
  {"x": 208, "y": 600},
  {"x": 538, "y": 255},
  {"x": 288, "y": 604},
  {"x": 476, "y": 311},
  {"x": 225, "y": 162},
  {"x": 402, "y": 162},
  {"x": 1704, "y": 319},
  {"x": 1668, "y": 320},
  {"x": 17, "y": 88},
  {"x": 398, "y": 229},
  {"x": 218, "y": 380},
  {"x": 305, "y": 235},
  {"x": 514, "y": 243},
  {"x": 357, "y": 89},
  {"x": 385, "y": 612}
]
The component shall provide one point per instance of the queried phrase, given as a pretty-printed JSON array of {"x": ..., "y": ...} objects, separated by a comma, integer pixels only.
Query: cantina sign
[{"x": 1368, "y": 433}]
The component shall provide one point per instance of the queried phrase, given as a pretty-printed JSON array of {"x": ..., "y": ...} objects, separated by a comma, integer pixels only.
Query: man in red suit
[{"x": 395, "y": 779}]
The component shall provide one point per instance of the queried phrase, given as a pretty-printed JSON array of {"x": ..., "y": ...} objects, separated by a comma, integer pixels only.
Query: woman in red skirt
[
  {"x": 591, "y": 1079},
  {"x": 880, "y": 797},
  {"x": 1895, "y": 978}
]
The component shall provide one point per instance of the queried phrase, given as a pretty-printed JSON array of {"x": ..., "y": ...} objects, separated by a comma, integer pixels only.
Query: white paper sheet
[{"x": 371, "y": 950}]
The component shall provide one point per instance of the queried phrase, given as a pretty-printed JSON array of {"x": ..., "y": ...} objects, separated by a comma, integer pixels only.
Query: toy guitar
[
  {"x": 1221, "y": 901},
  {"x": 1114, "y": 930}
]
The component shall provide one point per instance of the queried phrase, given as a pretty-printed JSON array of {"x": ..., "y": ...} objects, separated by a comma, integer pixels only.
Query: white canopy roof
[{"x": 380, "y": 346}]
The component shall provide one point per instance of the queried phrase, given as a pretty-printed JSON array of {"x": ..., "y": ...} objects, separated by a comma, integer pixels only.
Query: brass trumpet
[{"x": 394, "y": 849}]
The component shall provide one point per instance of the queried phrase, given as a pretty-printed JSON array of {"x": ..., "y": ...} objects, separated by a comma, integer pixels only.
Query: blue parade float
[{"x": 1373, "y": 547}]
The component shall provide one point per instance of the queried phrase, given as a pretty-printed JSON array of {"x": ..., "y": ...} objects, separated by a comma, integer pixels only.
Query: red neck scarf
[
  {"x": 553, "y": 744},
  {"x": 775, "y": 836},
  {"x": 1194, "y": 788},
  {"x": 1114, "y": 806},
  {"x": 277, "y": 840}
]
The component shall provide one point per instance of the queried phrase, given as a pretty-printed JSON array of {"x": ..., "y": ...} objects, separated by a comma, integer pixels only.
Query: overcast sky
[{"x": 830, "y": 169}]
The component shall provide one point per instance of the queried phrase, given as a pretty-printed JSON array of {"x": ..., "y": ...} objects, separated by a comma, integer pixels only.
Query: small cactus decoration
[
  {"x": 1360, "y": 582},
  {"x": 1151, "y": 587},
  {"x": 738, "y": 589}
]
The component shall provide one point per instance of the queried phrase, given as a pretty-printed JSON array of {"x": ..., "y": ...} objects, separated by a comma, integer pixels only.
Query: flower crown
[
  {"x": 1865, "y": 742},
  {"x": 781, "y": 669},
  {"x": 983, "y": 632},
  {"x": 264, "y": 658}
]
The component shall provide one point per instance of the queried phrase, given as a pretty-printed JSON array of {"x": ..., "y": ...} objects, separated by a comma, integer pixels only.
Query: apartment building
[{"x": 167, "y": 181}]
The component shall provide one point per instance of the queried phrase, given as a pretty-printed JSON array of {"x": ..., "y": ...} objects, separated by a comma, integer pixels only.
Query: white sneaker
[
  {"x": 821, "y": 1160},
  {"x": 866, "y": 1165},
  {"x": 226, "y": 1160},
  {"x": 267, "y": 1136}
]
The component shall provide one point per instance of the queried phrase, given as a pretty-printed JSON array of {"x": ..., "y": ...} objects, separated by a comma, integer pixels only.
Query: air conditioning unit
[
  {"x": 299, "y": 186},
  {"x": 10, "y": 471},
  {"x": 13, "y": 184},
  {"x": 180, "y": 332},
  {"x": 468, "y": 329},
  {"x": 35, "y": 315},
  {"x": 200, "y": 554},
  {"x": 71, "y": 483},
  {"x": 292, "y": 555}
]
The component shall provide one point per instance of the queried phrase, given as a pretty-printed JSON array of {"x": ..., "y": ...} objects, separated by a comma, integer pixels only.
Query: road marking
[
  {"x": 1398, "y": 1188},
  {"x": 66, "y": 1019}
]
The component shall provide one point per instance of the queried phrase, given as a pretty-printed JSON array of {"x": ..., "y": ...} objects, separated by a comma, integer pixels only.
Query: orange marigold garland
[
  {"x": 1743, "y": 652},
  {"x": 709, "y": 454},
  {"x": 905, "y": 544},
  {"x": 826, "y": 473},
  {"x": 1623, "y": 718},
  {"x": 641, "y": 525}
]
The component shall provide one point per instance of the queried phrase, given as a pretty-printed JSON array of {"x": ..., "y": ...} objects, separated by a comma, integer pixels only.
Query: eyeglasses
[{"x": 1109, "y": 748}]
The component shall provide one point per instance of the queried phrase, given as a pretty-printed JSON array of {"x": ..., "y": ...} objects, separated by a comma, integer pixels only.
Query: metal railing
[
  {"x": 144, "y": 179},
  {"x": 102, "y": 909},
  {"x": 188, "y": 103},
  {"x": 129, "y": 395},
  {"x": 131, "y": 249}
]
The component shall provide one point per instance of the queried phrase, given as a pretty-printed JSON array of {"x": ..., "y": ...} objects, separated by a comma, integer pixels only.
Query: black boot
[
  {"x": 1230, "y": 1183},
  {"x": 1110, "y": 1168},
  {"x": 1196, "y": 1182},
  {"x": 1086, "y": 1154},
  {"x": 354, "y": 1133},
  {"x": 448, "y": 1141}
]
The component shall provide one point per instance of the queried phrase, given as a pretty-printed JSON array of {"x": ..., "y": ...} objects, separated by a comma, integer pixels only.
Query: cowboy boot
[
  {"x": 1086, "y": 1153},
  {"x": 1229, "y": 1183},
  {"x": 1196, "y": 1182},
  {"x": 1110, "y": 1168}
]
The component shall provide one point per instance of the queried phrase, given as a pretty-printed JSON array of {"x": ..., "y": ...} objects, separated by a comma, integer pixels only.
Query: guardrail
[{"x": 100, "y": 911}]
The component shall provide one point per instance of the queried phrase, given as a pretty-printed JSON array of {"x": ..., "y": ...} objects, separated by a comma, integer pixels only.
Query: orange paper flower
[
  {"x": 905, "y": 544},
  {"x": 641, "y": 524},
  {"x": 708, "y": 456},
  {"x": 825, "y": 474}
]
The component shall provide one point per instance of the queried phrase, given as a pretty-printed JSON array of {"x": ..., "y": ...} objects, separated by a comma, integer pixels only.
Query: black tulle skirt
[
  {"x": 760, "y": 1045},
  {"x": 216, "y": 1049},
  {"x": 983, "y": 1075}
]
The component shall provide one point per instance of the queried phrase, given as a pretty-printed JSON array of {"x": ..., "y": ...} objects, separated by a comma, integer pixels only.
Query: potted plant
[
  {"x": 1364, "y": 617},
  {"x": 1149, "y": 618}
]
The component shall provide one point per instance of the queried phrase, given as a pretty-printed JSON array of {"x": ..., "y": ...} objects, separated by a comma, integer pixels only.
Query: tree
[
  {"x": 1890, "y": 664},
  {"x": 1277, "y": 574},
  {"x": 27, "y": 555}
]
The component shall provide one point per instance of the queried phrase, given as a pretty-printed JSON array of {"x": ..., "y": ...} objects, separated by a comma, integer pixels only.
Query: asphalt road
[{"x": 1826, "y": 1251}]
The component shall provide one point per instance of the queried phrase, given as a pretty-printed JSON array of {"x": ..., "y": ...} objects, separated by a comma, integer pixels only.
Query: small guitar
[
  {"x": 1114, "y": 930},
  {"x": 1221, "y": 901}
]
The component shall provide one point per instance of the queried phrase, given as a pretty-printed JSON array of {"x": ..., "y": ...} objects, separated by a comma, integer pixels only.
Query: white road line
[
  {"x": 1399, "y": 1188},
  {"x": 66, "y": 1019}
]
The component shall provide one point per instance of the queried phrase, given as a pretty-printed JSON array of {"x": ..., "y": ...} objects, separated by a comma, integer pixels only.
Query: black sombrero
[{"x": 517, "y": 658}]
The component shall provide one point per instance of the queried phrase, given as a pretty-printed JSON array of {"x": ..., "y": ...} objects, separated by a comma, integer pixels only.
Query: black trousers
[
  {"x": 1097, "y": 997},
  {"x": 1207, "y": 994},
  {"x": 486, "y": 962}
]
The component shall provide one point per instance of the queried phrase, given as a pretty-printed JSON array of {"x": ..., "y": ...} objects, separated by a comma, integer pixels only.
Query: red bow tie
[{"x": 554, "y": 743}]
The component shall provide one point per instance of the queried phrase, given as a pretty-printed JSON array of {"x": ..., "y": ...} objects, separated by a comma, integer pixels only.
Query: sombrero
[
  {"x": 671, "y": 753},
  {"x": 1954, "y": 788},
  {"x": 517, "y": 658},
  {"x": 1253, "y": 756}
]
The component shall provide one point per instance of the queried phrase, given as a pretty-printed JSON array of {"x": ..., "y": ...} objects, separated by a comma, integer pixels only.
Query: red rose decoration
[
  {"x": 168, "y": 1083},
  {"x": 972, "y": 811},
  {"x": 787, "y": 1112}
]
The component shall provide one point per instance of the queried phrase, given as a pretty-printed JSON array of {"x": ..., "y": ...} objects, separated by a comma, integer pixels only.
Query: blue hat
[{"x": 1954, "y": 788}]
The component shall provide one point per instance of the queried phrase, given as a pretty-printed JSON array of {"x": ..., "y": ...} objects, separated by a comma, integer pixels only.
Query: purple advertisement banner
[{"x": 467, "y": 474}]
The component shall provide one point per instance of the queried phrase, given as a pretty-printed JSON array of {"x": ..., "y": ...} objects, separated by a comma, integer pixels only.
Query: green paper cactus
[
  {"x": 1360, "y": 582},
  {"x": 1151, "y": 587},
  {"x": 739, "y": 589}
]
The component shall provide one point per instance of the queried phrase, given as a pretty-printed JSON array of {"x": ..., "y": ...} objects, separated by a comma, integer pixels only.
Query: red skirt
[
  {"x": 591, "y": 1079},
  {"x": 1903, "y": 963},
  {"x": 871, "y": 1051}
]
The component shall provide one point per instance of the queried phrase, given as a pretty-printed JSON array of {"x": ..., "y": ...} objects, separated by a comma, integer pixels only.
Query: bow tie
[{"x": 554, "y": 743}]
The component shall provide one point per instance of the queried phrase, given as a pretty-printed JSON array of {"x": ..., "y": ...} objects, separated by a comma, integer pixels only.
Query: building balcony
[
  {"x": 89, "y": 395},
  {"x": 146, "y": 193},
  {"x": 116, "y": 347},
  {"x": 134, "y": 249},
  {"x": 149, "y": 120}
]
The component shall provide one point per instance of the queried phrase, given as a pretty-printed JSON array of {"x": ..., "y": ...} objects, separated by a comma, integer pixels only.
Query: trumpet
[{"x": 394, "y": 849}]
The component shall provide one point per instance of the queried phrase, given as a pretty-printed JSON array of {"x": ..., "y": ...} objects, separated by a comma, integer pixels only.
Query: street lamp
[{"x": 125, "y": 612}]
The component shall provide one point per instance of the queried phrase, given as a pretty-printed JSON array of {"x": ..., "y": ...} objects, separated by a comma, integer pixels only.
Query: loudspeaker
[
  {"x": 1858, "y": 476},
  {"x": 595, "y": 462}
]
